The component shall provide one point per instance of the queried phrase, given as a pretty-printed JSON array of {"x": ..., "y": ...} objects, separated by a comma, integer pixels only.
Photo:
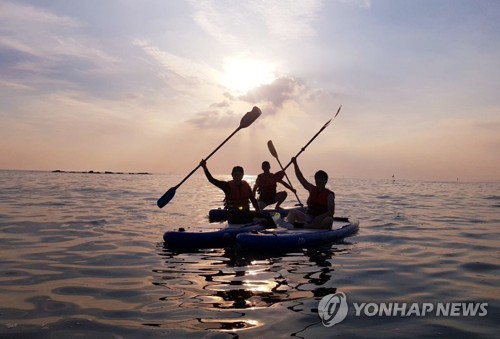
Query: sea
[{"x": 82, "y": 255}]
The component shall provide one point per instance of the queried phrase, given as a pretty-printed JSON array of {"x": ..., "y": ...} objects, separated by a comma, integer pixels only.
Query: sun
[{"x": 243, "y": 74}]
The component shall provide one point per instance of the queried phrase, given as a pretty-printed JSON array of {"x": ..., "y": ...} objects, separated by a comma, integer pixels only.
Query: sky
[{"x": 155, "y": 86}]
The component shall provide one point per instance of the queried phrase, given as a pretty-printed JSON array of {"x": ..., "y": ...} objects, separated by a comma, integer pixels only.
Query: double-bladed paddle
[
  {"x": 314, "y": 137},
  {"x": 246, "y": 121},
  {"x": 275, "y": 154}
]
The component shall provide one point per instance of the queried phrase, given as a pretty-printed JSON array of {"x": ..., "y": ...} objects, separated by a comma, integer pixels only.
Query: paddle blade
[
  {"x": 250, "y": 117},
  {"x": 165, "y": 199},
  {"x": 272, "y": 149},
  {"x": 338, "y": 111}
]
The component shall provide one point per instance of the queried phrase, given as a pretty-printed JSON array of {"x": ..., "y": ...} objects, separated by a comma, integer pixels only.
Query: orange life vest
[
  {"x": 267, "y": 186},
  {"x": 238, "y": 195},
  {"x": 317, "y": 203}
]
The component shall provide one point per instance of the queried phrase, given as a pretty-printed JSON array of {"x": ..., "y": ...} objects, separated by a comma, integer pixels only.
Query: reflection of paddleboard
[
  {"x": 279, "y": 240},
  {"x": 216, "y": 215}
]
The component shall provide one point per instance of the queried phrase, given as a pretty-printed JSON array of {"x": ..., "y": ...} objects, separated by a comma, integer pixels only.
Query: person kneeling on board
[
  {"x": 266, "y": 185},
  {"x": 320, "y": 204},
  {"x": 238, "y": 195}
]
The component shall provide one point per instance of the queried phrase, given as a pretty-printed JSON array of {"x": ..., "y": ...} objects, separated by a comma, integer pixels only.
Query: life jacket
[
  {"x": 317, "y": 203},
  {"x": 267, "y": 186},
  {"x": 238, "y": 195}
]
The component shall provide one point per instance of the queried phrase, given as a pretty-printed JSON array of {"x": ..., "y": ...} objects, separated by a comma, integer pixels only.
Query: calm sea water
[{"x": 82, "y": 255}]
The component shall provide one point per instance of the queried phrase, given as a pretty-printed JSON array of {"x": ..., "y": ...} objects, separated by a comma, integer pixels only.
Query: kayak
[
  {"x": 289, "y": 240},
  {"x": 219, "y": 214},
  {"x": 185, "y": 241}
]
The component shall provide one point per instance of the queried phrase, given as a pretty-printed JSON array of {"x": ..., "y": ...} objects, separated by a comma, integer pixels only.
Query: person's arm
[
  {"x": 331, "y": 204},
  {"x": 254, "y": 202},
  {"x": 220, "y": 184},
  {"x": 255, "y": 186},
  {"x": 306, "y": 184},
  {"x": 284, "y": 183}
]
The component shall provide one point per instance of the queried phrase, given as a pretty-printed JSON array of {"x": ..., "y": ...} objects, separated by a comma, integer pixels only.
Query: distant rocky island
[{"x": 105, "y": 172}]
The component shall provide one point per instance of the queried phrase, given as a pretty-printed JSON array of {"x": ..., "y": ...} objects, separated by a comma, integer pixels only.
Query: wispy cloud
[
  {"x": 14, "y": 86},
  {"x": 37, "y": 32},
  {"x": 214, "y": 119},
  {"x": 229, "y": 21},
  {"x": 40, "y": 47},
  {"x": 215, "y": 20},
  {"x": 183, "y": 68},
  {"x": 13, "y": 13},
  {"x": 289, "y": 20},
  {"x": 359, "y": 3}
]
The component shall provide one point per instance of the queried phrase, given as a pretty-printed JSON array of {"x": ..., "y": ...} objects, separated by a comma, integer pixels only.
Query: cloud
[
  {"x": 20, "y": 14},
  {"x": 234, "y": 21},
  {"x": 276, "y": 93},
  {"x": 6, "y": 85},
  {"x": 289, "y": 20},
  {"x": 182, "y": 67},
  {"x": 214, "y": 119},
  {"x": 39, "y": 49},
  {"x": 215, "y": 21},
  {"x": 37, "y": 32},
  {"x": 221, "y": 104},
  {"x": 359, "y": 3}
]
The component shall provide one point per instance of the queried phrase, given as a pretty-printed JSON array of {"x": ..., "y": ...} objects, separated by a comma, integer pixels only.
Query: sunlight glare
[{"x": 243, "y": 74}]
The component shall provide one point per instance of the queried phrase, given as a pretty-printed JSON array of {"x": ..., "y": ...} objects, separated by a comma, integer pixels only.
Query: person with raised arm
[
  {"x": 237, "y": 195},
  {"x": 320, "y": 203}
]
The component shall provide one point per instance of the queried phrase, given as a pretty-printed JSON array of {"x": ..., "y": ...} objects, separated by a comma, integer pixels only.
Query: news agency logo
[{"x": 333, "y": 309}]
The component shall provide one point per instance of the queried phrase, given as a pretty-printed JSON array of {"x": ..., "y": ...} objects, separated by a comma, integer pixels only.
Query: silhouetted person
[
  {"x": 320, "y": 204},
  {"x": 238, "y": 195},
  {"x": 266, "y": 186}
]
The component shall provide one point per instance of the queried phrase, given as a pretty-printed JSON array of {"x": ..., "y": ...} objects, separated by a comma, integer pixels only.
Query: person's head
[
  {"x": 321, "y": 178},
  {"x": 237, "y": 173},
  {"x": 266, "y": 166}
]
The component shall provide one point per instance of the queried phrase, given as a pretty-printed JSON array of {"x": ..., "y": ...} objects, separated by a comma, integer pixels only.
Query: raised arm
[
  {"x": 220, "y": 184},
  {"x": 306, "y": 184}
]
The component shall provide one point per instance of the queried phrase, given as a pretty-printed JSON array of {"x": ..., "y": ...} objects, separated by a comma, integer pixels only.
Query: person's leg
[
  {"x": 296, "y": 215},
  {"x": 262, "y": 204},
  {"x": 325, "y": 224},
  {"x": 280, "y": 197}
]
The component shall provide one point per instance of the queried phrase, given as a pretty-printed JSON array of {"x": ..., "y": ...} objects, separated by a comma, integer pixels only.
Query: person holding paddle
[
  {"x": 238, "y": 195},
  {"x": 266, "y": 185},
  {"x": 320, "y": 204}
]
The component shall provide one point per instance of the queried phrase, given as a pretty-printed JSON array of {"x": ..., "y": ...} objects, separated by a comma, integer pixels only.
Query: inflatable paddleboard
[
  {"x": 182, "y": 240},
  {"x": 185, "y": 241},
  {"x": 219, "y": 214},
  {"x": 289, "y": 240}
]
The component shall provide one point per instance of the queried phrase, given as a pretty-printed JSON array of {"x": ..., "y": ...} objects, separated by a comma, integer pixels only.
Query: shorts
[{"x": 268, "y": 200}]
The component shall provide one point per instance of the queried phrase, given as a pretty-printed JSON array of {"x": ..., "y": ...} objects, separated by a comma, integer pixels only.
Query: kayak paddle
[
  {"x": 246, "y": 121},
  {"x": 314, "y": 137},
  {"x": 275, "y": 154}
]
